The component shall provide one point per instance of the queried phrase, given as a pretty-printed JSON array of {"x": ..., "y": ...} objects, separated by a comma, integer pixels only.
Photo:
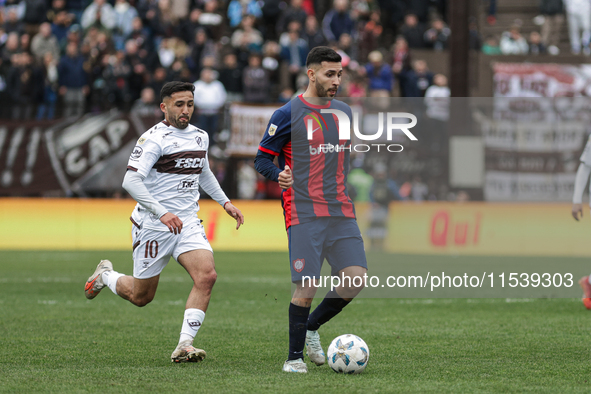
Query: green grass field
[{"x": 54, "y": 340}]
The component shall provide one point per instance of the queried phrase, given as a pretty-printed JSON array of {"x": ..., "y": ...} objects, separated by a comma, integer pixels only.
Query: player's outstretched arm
[
  {"x": 580, "y": 182},
  {"x": 235, "y": 213}
]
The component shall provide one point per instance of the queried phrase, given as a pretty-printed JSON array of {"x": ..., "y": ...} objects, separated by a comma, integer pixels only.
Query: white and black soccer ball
[{"x": 348, "y": 354}]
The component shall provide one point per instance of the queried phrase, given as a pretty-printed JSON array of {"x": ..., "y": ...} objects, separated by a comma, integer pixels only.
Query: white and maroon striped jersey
[{"x": 173, "y": 163}]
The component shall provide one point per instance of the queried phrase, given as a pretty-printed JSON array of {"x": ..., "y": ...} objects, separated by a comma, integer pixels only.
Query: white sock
[
  {"x": 191, "y": 324},
  {"x": 110, "y": 279}
]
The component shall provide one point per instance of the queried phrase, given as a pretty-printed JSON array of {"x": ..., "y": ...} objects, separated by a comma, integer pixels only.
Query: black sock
[
  {"x": 330, "y": 306},
  {"x": 298, "y": 316}
]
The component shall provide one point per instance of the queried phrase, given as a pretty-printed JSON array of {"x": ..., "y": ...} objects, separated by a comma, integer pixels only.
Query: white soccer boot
[
  {"x": 187, "y": 353},
  {"x": 314, "y": 348},
  {"x": 298, "y": 366},
  {"x": 95, "y": 284}
]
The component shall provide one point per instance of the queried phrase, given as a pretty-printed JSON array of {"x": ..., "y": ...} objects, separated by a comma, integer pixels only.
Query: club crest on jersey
[
  {"x": 199, "y": 141},
  {"x": 137, "y": 152},
  {"x": 299, "y": 264},
  {"x": 272, "y": 129}
]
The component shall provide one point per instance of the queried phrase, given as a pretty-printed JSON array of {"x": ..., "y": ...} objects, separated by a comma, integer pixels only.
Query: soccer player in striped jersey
[
  {"x": 319, "y": 215},
  {"x": 164, "y": 172}
]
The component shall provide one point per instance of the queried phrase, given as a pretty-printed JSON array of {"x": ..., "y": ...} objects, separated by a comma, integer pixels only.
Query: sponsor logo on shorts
[
  {"x": 194, "y": 324},
  {"x": 137, "y": 152},
  {"x": 205, "y": 237},
  {"x": 145, "y": 264},
  {"x": 299, "y": 264}
]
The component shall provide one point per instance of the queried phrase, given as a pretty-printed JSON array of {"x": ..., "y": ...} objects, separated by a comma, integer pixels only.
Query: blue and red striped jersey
[{"x": 320, "y": 165}]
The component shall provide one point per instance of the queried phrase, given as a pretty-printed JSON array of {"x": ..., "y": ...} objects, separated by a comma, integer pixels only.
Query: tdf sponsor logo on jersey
[
  {"x": 187, "y": 185},
  {"x": 190, "y": 162}
]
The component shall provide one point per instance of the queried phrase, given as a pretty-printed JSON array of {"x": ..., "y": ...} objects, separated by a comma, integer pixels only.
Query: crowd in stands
[
  {"x": 551, "y": 18},
  {"x": 92, "y": 55}
]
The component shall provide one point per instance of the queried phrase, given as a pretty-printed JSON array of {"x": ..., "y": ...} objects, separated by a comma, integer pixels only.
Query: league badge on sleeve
[{"x": 272, "y": 129}]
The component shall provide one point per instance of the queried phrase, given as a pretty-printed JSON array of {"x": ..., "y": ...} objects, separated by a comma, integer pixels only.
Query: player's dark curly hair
[
  {"x": 175, "y": 86},
  {"x": 322, "y": 54}
]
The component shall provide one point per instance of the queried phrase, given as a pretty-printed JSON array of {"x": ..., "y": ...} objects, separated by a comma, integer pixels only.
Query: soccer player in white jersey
[
  {"x": 577, "y": 211},
  {"x": 165, "y": 170}
]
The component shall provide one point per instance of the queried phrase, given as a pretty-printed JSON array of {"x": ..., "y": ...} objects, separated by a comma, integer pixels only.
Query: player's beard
[
  {"x": 321, "y": 91},
  {"x": 178, "y": 122}
]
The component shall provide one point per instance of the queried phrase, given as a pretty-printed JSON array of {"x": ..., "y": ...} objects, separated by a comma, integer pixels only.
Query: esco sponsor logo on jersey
[{"x": 190, "y": 162}]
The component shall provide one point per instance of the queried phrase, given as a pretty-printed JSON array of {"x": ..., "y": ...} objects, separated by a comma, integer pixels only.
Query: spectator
[
  {"x": 248, "y": 36},
  {"x": 60, "y": 27},
  {"x": 337, "y": 21},
  {"x": 25, "y": 43},
  {"x": 4, "y": 92},
  {"x": 401, "y": 55},
  {"x": 312, "y": 33},
  {"x": 436, "y": 37},
  {"x": 293, "y": 13},
  {"x": 295, "y": 52},
  {"x": 513, "y": 43},
  {"x": 35, "y": 14},
  {"x": 56, "y": 6},
  {"x": 474, "y": 39},
  {"x": 370, "y": 34},
  {"x": 413, "y": 31},
  {"x": 124, "y": 16},
  {"x": 210, "y": 97},
  {"x": 212, "y": 19},
  {"x": 536, "y": 46},
  {"x": 553, "y": 13},
  {"x": 189, "y": 26},
  {"x": 140, "y": 34},
  {"x": 11, "y": 47},
  {"x": 116, "y": 75},
  {"x": 99, "y": 13},
  {"x": 256, "y": 81},
  {"x": 231, "y": 77},
  {"x": 162, "y": 20},
  {"x": 379, "y": 74},
  {"x": 73, "y": 81},
  {"x": 13, "y": 24},
  {"x": 24, "y": 85},
  {"x": 146, "y": 105},
  {"x": 44, "y": 42},
  {"x": 419, "y": 191},
  {"x": 437, "y": 98},
  {"x": 238, "y": 8},
  {"x": 270, "y": 62},
  {"x": 138, "y": 70},
  {"x": 491, "y": 47},
  {"x": 578, "y": 13},
  {"x": 201, "y": 47},
  {"x": 158, "y": 80},
  {"x": 247, "y": 180},
  {"x": 271, "y": 11},
  {"x": 414, "y": 82},
  {"x": 46, "y": 108}
]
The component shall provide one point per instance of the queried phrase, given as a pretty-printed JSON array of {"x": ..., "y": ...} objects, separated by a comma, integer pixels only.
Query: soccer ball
[{"x": 348, "y": 354}]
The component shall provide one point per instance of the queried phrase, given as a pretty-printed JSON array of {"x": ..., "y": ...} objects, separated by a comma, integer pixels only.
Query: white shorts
[{"x": 152, "y": 248}]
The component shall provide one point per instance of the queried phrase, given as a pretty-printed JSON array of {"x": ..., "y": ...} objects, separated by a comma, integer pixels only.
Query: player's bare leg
[
  {"x": 333, "y": 303},
  {"x": 139, "y": 292},
  {"x": 586, "y": 286},
  {"x": 200, "y": 266}
]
